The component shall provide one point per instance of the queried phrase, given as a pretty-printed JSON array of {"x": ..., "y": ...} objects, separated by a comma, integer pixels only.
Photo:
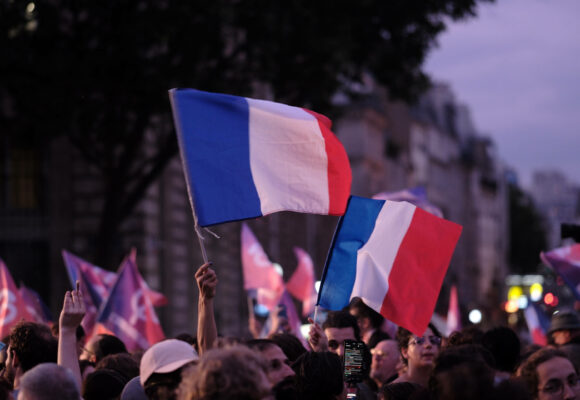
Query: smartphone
[{"x": 354, "y": 361}]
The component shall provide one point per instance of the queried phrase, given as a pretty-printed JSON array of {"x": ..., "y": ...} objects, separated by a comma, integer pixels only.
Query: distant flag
[
  {"x": 538, "y": 324},
  {"x": 244, "y": 158},
  {"x": 416, "y": 196},
  {"x": 259, "y": 272},
  {"x": 12, "y": 309},
  {"x": 157, "y": 299},
  {"x": 453, "y": 313},
  {"x": 291, "y": 313},
  {"x": 95, "y": 284},
  {"x": 35, "y": 307},
  {"x": 393, "y": 256},
  {"x": 128, "y": 312},
  {"x": 301, "y": 283},
  {"x": 565, "y": 261}
]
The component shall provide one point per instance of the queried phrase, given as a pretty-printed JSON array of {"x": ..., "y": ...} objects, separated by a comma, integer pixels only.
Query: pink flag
[
  {"x": 259, "y": 272},
  {"x": 157, "y": 299},
  {"x": 12, "y": 309},
  {"x": 301, "y": 284},
  {"x": 453, "y": 314},
  {"x": 35, "y": 307},
  {"x": 128, "y": 311},
  {"x": 292, "y": 315}
]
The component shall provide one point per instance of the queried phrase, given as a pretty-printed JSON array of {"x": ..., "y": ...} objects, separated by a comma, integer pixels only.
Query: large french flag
[
  {"x": 244, "y": 158},
  {"x": 394, "y": 256}
]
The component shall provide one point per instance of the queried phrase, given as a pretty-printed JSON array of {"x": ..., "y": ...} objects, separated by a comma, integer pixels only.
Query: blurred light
[
  {"x": 511, "y": 306},
  {"x": 522, "y": 302},
  {"x": 304, "y": 329},
  {"x": 30, "y": 8},
  {"x": 550, "y": 299},
  {"x": 536, "y": 291},
  {"x": 261, "y": 310},
  {"x": 515, "y": 292},
  {"x": 278, "y": 269},
  {"x": 317, "y": 286},
  {"x": 475, "y": 316},
  {"x": 513, "y": 319}
]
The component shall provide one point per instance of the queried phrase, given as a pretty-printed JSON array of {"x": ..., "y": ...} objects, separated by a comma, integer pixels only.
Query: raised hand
[
  {"x": 316, "y": 337},
  {"x": 206, "y": 281},
  {"x": 73, "y": 310}
]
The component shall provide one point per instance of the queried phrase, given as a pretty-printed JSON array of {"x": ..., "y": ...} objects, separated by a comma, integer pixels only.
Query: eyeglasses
[
  {"x": 434, "y": 340},
  {"x": 556, "y": 386}
]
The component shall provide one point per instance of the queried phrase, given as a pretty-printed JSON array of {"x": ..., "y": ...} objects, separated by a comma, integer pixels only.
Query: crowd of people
[{"x": 43, "y": 363}]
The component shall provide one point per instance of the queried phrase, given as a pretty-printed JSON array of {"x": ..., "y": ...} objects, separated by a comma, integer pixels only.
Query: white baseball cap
[{"x": 164, "y": 357}]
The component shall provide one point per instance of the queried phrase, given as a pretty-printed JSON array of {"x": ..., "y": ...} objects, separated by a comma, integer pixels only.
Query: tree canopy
[{"x": 99, "y": 72}]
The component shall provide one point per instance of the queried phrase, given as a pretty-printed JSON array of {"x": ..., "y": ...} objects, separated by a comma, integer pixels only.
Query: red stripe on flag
[
  {"x": 418, "y": 271},
  {"x": 339, "y": 173}
]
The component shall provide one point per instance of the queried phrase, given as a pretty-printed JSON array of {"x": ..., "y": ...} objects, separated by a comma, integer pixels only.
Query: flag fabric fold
[
  {"x": 394, "y": 256},
  {"x": 244, "y": 158},
  {"x": 565, "y": 261},
  {"x": 35, "y": 307},
  {"x": 301, "y": 283},
  {"x": 12, "y": 308},
  {"x": 259, "y": 272},
  {"x": 95, "y": 284},
  {"x": 416, "y": 196},
  {"x": 128, "y": 311}
]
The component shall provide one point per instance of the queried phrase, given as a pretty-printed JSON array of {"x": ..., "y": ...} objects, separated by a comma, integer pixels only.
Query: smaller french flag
[
  {"x": 394, "y": 256},
  {"x": 245, "y": 158},
  {"x": 538, "y": 324}
]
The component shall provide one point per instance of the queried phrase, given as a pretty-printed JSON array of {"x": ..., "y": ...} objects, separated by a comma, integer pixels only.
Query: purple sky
[{"x": 517, "y": 66}]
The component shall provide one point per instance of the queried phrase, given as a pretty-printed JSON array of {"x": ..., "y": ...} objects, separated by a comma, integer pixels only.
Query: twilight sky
[{"x": 517, "y": 66}]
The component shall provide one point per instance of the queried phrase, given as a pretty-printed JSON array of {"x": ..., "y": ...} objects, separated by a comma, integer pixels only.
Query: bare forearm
[
  {"x": 67, "y": 353},
  {"x": 206, "y": 326}
]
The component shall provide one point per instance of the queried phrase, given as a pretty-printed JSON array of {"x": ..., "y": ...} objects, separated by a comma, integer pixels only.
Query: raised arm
[
  {"x": 206, "y": 328},
  {"x": 73, "y": 311}
]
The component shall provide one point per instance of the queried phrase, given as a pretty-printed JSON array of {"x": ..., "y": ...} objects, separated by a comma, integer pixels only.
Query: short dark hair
[
  {"x": 103, "y": 384},
  {"x": 33, "y": 343},
  {"x": 123, "y": 363},
  {"x": 466, "y": 371},
  {"x": 318, "y": 375},
  {"x": 505, "y": 345},
  {"x": 260, "y": 344},
  {"x": 364, "y": 311},
  {"x": 342, "y": 319},
  {"x": 164, "y": 386},
  {"x": 290, "y": 345},
  {"x": 106, "y": 345}
]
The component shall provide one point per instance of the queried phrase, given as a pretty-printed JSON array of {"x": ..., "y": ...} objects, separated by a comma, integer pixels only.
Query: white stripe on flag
[
  {"x": 375, "y": 259},
  {"x": 288, "y": 158}
]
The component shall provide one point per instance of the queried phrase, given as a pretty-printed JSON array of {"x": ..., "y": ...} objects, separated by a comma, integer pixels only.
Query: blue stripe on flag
[
  {"x": 352, "y": 232},
  {"x": 214, "y": 138}
]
